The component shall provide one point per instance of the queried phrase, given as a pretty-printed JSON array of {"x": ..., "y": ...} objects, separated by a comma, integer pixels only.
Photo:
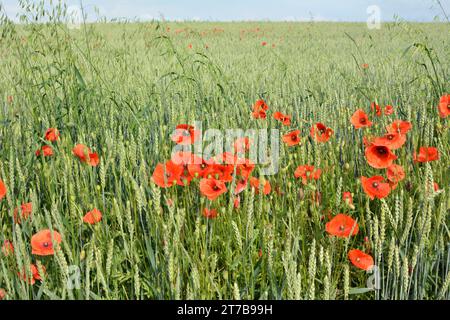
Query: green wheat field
[{"x": 121, "y": 89}]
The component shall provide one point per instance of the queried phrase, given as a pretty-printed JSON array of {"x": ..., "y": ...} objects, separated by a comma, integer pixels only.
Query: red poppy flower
[
  {"x": 185, "y": 134},
  {"x": 185, "y": 178},
  {"x": 292, "y": 138},
  {"x": 307, "y": 173},
  {"x": 94, "y": 160},
  {"x": 264, "y": 43},
  {"x": 183, "y": 159},
  {"x": 25, "y": 211},
  {"x": 320, "y": 132},
  {"x": 388, "y": 110},
  {"x": 375, "y": 187},
  {"x": 379, "y": 157},
  {"x": 241, "y": 185},
  {"x": 210, "y": 213},
  {"x": 395, "y": 173},
  {"x": 7, "y": 248},
  {"x": 376, "y": 107},
  {"x": 166, "y": 175},
  {"x": 245, "y": 169},
  {"x": 85, "y": 155},
  {"x": 342, "y": 226},
  {"x": 41, "y": 243},
  {"x": 444, "y": 106},
  {"x": 347, "y": 198},
  {"x": 212, "y": 188},
  {"x": 426, "y": 154},
  {"x": 82, "y": 152},
  {"x": 259, "y": 110},
  {"x": 93, "y": 217},
  {"x": 2, "y": 294},
  {"x": 259, "y": 184},
  {"x": 34, "y": 274},
  {"x": 261, "y": 104},
  {"x": 45, "y": 151},
  {"x": 365, "y": 66},
  {"x": 360, "y": 119},
  {"x": 283, "y": 118},
  {"x": 360, "y": 259},
  {"x": 220, "y": 172},
  {"x": 199, "y": 168},
  {"x": 190, "y": 46},
  {"x": 391, "y": 140},
  {"x": 52, "y": 134},
  {"x": 399, "y": 126},
  {"x": 3, "y": 190},
  {"x": 242, "y": 145}
]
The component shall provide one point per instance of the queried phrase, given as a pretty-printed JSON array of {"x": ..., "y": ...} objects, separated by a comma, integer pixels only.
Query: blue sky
[{"x": 227, "y": 10}]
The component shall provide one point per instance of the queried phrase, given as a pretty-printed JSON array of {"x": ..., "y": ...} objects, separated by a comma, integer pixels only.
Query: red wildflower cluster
[
  {"x": 214, "y": 175},
  {"x": 259, "y": 110},
  {"x": 388, "y": 109},
  {"x": 379, "y": 155}
]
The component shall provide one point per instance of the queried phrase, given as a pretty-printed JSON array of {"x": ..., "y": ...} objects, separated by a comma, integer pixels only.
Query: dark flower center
[
  {"x": 45, "y": 244},
  {"x": 341, "y": 228},
  {"x": 375, "y": 185},
  {"x": 215, "y": 188},
  {"x": 381, "y": 150},
  {"x": 362, "y": 120},
  {"x": 390, "y": 137}
]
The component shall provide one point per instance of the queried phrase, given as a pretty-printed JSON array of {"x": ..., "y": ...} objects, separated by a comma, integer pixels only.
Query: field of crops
[{"x": 92, "y": 208}]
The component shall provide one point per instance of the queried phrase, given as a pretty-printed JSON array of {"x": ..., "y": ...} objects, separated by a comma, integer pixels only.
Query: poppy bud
[{"x": 347, "y": 166}]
